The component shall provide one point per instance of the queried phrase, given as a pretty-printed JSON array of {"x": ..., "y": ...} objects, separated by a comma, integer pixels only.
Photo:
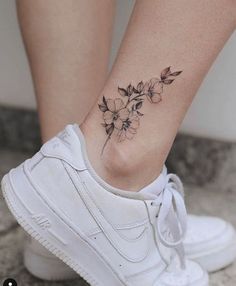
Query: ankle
[
  {"x": 119, "y": 166},
  {"x": 127, "y": 169},
  {"x": 118, "y": 161}
]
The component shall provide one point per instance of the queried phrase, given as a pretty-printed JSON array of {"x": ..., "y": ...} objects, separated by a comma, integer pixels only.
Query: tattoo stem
[
  {"x": 137, "y": 96},
  {"x": 105, "y": 144}
]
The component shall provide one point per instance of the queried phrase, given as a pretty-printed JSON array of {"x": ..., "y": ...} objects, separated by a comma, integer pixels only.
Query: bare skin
[
  {"x": 68, "y": 45},
  {"x": 186, "y": 35},
  {"x": 65, "y": 53}
]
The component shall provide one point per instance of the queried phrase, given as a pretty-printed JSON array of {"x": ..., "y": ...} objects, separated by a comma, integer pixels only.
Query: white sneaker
[
  {"x": 108, "y": 236},
  {"x": 210, "y": 241}
]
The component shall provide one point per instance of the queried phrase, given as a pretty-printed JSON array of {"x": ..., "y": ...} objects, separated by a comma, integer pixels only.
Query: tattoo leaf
[
  {"x": 165, "y": 73},
  {"x": 102, "y": 107},
  {"x": 140, "y": 86},
  {"x": 176, "y": 73},
  {"x": 168, "y": 81},
  {"x": 130, "y": 90},
  {"x": 138, "y": 105},
  {"x": 139, "y": 113},
  {"x": 122, "y": 91},
  {"x": 110, "y": 129},
  {"x": 104, "y": 101}
]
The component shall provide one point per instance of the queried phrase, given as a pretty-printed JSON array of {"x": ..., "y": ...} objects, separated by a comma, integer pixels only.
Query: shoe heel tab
[{"x": 65, "y": 146}]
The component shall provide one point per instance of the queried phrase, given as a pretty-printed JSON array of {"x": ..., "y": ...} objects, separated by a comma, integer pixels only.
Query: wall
[{"x": 211, "y": 115}]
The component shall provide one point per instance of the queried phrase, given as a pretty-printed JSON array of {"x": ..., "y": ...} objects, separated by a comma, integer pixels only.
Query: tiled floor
[{"x": 222, "y": 202}]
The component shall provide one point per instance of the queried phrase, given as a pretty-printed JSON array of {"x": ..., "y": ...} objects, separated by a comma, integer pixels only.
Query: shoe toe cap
[
  {"x": 205, "y": 233},
  {"x": 192, "y": 275}
]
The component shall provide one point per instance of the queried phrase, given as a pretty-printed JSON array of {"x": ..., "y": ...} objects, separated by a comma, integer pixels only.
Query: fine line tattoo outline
[{"x": 122, "y": 115}]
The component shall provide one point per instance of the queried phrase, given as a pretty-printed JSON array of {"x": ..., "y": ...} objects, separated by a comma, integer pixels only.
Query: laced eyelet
[{"x": 151, "y": 203}]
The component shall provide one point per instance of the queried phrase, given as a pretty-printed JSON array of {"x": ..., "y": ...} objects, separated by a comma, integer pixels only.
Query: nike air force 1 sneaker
[
  {"x": 106, "y": 235},
  {"x": 210, "y": 241}
]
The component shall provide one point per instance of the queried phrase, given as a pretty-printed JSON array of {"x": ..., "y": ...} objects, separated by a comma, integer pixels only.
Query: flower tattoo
[{"x": 121, "y": 116}]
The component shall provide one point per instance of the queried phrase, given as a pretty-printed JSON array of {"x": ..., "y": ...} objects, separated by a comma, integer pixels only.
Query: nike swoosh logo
[{"x": 134, "y": 250}]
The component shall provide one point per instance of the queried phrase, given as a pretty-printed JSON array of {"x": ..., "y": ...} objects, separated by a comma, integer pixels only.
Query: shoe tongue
[
  {"x": 157, "y": 186},
  {"x": 67, "y": 147}
]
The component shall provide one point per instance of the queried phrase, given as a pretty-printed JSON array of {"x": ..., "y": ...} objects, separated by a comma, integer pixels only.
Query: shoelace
[{"x": 172, "y": 212}]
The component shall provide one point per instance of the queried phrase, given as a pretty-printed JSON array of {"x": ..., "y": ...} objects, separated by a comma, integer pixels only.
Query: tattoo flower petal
[
  {"x": 111, "y": 105},
  {"x": 116, "y": 114},
  {"x": 115, "y": 105},
  {"x": 123, "y": 114},
  {"x": 119, "y": 104},
  {"x": 108, "y": 117},
  {"x": 154, "y": 97},
  {"x": 159, "y": 88},
  {"x": 129, "y": 128},
  {"x": 134, "y": 122},
  {"x": 118, "y": 124},
  {"x": 153, "y": 90}
]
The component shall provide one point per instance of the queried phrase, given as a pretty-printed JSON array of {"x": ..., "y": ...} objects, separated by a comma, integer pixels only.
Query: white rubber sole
[
  {"x": 44, "y": 265},
  {"x": 220, "y": 259},
  {"x": 60, "y": 239},
  {"x": 79, "y": 256}
]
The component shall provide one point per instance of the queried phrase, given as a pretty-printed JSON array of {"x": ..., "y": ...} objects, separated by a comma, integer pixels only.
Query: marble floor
[{"x": 222, "y": 198}]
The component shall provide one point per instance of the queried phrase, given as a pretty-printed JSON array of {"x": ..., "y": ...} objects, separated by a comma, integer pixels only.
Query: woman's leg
[
  {"x": 68, "y": 45},
  {"x": 139, "y": 122}
]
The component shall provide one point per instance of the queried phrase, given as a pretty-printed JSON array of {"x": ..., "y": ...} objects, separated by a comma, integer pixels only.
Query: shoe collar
[{"x": 70, "y": 147}]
